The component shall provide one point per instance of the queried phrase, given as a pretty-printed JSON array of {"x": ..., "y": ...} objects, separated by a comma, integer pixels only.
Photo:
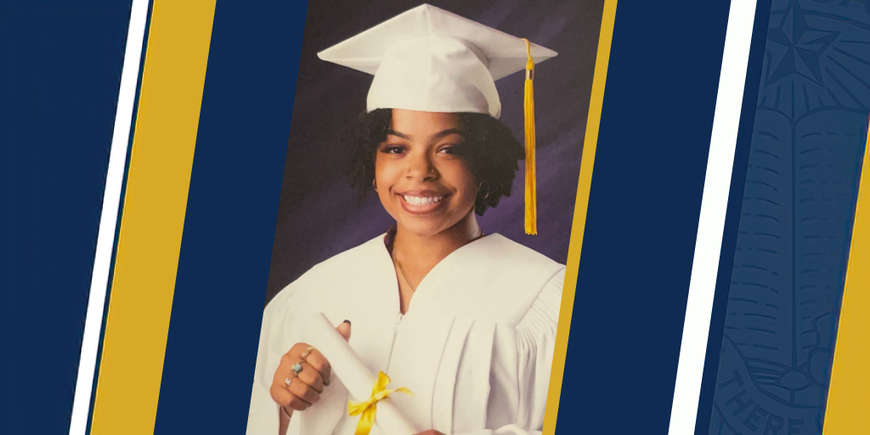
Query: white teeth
[{"x": 422, "y": 200}]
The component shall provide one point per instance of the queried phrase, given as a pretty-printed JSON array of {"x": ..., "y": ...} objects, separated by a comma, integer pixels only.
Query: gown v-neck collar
[{"x": 389, "y": 267}]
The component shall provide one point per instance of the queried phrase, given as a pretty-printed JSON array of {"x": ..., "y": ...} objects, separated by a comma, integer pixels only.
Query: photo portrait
[{"x": 425, "y": 212}]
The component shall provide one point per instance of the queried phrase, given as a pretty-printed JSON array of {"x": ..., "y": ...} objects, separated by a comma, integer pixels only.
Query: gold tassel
[{"x": 531, "y": 214}]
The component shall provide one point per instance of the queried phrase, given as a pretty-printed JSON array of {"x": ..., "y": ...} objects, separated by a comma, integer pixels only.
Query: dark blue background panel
[{"x": 61, "y": 66}]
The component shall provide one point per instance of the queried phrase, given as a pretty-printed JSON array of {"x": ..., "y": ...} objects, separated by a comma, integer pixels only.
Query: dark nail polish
[{"x": 346, "y": 321}]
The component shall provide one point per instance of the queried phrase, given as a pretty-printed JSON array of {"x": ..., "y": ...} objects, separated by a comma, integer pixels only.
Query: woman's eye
[
  {"x": 455, "y": 149},
  {"x": 393, "y": 149}
]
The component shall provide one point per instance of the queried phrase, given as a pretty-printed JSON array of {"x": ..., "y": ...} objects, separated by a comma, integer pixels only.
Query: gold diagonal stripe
[
  {"x": 155, "y": 202},
  {"x": 849, "y": 390},
  {"x": 581, "y": 203}
]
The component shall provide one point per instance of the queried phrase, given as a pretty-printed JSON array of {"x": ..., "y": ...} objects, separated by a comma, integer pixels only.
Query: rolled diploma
[{"x": 353, "y": 373}]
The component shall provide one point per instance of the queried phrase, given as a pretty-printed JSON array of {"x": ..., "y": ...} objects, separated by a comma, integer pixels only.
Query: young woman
[{"x": 464, "y": 319}]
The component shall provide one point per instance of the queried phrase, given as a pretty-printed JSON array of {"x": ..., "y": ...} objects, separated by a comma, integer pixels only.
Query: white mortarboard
[{"x": 432, "y": 60}]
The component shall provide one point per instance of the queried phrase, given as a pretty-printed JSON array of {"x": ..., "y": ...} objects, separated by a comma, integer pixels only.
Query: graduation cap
[{"x": 432, "y": 60}]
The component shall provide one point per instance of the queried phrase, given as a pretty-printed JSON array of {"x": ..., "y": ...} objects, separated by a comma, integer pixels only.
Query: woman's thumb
[{"x": 344, "y": 329}]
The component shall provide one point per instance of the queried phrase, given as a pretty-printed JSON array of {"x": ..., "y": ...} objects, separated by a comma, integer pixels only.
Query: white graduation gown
[{"x": 475, "y": 346}]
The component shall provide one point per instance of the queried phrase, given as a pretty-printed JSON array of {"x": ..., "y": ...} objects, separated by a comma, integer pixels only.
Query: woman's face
[{"x": 421, "y": 175}]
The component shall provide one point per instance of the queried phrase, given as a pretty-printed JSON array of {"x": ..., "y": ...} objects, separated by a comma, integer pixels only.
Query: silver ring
[
  {"x": 287, "y": 381},
  {"x": 297, "y": 368}
]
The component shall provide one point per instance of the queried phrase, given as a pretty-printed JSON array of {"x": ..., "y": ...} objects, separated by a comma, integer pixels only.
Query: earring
[{"x": 483, "y": 190}]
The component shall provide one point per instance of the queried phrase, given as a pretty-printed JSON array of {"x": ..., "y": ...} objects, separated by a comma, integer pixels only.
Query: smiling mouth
[{"x": 421, "y": 203}]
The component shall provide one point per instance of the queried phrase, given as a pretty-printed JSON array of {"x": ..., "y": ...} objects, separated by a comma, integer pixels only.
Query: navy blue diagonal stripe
[
  {"x": 643, "y": 217},
  {"x": 230, "y": 222}
]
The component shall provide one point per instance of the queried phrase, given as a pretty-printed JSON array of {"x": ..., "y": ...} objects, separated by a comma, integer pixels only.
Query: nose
[{"x": 420, "y": 167}]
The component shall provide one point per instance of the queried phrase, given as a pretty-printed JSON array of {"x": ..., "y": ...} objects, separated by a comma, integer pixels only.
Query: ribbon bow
[{"x": 368, "y": 408}]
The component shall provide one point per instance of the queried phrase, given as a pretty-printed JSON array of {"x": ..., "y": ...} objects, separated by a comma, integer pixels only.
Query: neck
[
  {"x": 419, "y": 253},
  {"x": 416, "y": 254}
]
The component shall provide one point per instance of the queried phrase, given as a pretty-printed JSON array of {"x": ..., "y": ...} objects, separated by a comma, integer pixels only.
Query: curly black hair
[{"x": 490, "y": 150}]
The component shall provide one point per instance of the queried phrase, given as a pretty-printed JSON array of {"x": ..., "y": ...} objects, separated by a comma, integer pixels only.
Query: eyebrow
[
  {"x": 438, "y": 135},
  {"x": 396, "y": 133}
]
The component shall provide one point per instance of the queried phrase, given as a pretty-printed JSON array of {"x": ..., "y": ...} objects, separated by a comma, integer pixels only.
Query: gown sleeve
[
  {"x": 263, "y": 415},
  {"x": 520, "y": 410}
]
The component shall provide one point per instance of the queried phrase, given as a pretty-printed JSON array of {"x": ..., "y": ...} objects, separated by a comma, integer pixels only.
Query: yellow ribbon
[{"x": 368, "y": 408}]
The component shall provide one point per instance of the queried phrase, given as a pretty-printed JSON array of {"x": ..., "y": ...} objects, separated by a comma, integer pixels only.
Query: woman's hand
[
  {"x": 430, "y": 432},
  {"x": 298, "y": 391}
]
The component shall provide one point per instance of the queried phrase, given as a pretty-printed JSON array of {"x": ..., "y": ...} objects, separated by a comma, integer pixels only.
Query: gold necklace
[{"x": 401, "y": 271}]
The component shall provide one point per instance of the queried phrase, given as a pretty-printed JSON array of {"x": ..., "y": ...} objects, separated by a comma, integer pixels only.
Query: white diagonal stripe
[
  {"x": 711, "y": 223},
  {"x": 108, "y": 218}
]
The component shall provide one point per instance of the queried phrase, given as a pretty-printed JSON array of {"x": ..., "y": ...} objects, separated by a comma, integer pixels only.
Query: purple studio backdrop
[{"x": 319, "y": 215}]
